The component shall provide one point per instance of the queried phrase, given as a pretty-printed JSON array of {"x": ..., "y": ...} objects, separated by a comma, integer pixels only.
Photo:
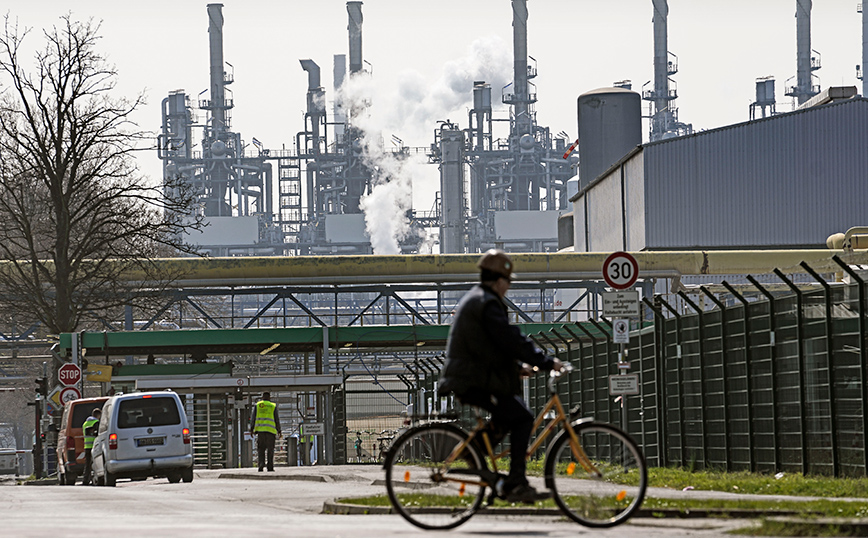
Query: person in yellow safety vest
[
  {"x": 266, "y": 425},
  {"x": 88, "y": 429}
]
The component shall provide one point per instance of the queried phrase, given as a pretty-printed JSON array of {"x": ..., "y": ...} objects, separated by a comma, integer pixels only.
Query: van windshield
[{"x": 141, "y": 412}]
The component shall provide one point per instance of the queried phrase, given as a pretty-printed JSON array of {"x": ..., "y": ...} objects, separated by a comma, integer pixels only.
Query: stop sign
[{"x": 69, "y": 374}]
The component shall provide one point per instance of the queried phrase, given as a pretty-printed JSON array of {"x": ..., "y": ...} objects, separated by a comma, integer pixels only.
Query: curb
[
  {"x": 812, "y": 527},
  {"x": 42, "y": 482},
  {"x": 266, "y": 476},
  {"x": 341, "y": 508}
]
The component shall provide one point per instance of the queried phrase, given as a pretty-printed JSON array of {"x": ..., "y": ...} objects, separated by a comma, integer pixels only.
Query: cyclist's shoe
[{"x": 527, "y": 494}]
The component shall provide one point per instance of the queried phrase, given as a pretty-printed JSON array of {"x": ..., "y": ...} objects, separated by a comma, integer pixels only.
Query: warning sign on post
[
  {"x": 623, "y": 384},
  {"x": 621, "y": 304},
  {"x": 621, "y": 331}
]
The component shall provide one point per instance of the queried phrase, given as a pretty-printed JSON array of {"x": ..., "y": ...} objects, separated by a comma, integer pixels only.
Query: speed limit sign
[{"x": 620, "y": 270}]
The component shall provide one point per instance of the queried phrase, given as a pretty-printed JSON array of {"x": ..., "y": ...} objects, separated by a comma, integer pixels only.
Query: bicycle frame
[{"x": 561, "y": 418}]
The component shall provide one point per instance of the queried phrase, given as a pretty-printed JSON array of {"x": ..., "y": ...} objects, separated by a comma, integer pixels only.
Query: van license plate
[{"x": 150, "y": 441}]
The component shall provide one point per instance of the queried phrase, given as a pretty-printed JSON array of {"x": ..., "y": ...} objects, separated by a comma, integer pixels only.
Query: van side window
[
  {"x": 143, "y": 412},
  {"x": 105, "y": 418}
]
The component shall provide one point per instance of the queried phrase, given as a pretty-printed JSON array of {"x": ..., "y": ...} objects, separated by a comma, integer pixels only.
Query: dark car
[{"x": 70, "y": 440}]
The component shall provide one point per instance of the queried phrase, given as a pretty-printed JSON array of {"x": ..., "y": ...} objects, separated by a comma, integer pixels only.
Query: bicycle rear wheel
[
  {"x": 423, "y": 488},
  {"x": 602, "y": 482}
]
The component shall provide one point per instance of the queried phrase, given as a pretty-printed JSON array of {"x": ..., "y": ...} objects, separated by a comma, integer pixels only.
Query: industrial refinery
[{"x": 505, "y": 182}]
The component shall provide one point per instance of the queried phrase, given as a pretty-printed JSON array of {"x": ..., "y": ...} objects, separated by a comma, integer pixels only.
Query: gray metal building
[{"x": 788, "y": 181}]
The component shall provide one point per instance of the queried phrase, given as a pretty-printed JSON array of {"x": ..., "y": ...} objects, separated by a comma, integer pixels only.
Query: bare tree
[{"x": 75, "y": 213}]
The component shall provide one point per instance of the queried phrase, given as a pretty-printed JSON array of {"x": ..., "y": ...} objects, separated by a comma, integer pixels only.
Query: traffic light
[{"x": 42, "y": 386}]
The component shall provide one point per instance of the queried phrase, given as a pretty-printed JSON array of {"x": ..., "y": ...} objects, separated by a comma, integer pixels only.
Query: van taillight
[
  {"x": 113, "y": 441},
  {"x": 186, "y": 432}
]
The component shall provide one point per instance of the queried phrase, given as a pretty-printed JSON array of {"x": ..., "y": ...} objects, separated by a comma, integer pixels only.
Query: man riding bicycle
[{"x": 485, "y": 360}]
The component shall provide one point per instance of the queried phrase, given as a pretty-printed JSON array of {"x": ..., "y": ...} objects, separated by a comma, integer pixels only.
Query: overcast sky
[{"x": 425, "y": 54}]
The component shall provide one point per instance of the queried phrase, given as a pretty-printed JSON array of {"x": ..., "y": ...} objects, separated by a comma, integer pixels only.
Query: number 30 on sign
[{"x": 620, "y": 270}]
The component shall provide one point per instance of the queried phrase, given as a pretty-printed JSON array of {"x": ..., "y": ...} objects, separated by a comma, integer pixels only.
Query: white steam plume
[{"x": 411, "y": 108}]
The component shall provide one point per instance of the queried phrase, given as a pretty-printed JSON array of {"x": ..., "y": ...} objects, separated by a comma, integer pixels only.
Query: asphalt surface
[{"x": 300, "y": 501}]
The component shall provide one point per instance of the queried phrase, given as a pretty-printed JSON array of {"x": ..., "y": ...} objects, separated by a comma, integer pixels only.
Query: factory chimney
[
  {"x": 664, "y": 117},
  {"x": 661, "y": 57},
  {"x": 864, "y": 49},
  {"x": 218, "y": 75},
  {"x": 807, "y": 60},
  {"x": 354, "y": 9},
  {"x": 519, "y": 45}
]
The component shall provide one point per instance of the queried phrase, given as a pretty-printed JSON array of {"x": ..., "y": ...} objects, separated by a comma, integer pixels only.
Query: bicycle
[
  {"x": 385, "y": 439},
  {"x": 436, "y": 476}
]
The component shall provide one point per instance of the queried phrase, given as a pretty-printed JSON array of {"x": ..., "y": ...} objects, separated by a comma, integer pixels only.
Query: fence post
[
  {"x": 772, "y": 358},
  {"x": 702, "y": 409},
  {"x": 833, "y": 430},
  {"x": 723, "y": 356},
  {"x": 747, "y": 374},
  {"x": 681, "y": 432},
  {"x": 799, "y": 332},
  {"x": 608, "y": 361},
  {"x": 569, "y": 353},
  {"x": 593, "y": 363},
  {"x": 660, "y": 379},
  {"x": 863, "y": 361}
]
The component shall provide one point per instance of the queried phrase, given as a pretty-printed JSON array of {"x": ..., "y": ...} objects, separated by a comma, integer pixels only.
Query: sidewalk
[{"x": 356, "y": 480}]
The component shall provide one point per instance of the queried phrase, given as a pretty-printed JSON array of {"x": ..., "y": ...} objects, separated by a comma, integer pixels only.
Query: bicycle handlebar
[{"x": 566, "y": 368}]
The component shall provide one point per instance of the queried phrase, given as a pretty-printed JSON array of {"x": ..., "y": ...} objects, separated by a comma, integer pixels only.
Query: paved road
[{"x": 285, "y": 503}]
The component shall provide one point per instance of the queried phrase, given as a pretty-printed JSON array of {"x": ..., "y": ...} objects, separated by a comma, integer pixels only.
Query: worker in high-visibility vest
[
  {"x": 88, "y": 429},
  {"x": 266, "y": 425}
]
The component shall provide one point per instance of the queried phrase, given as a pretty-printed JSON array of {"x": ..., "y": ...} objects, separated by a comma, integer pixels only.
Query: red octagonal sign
[
  {"x": 69, "y": 374},
  {"x": 620, "y": 270}
]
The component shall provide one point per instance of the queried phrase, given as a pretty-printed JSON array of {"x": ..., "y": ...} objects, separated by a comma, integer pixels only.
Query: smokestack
[
  {"x": 864, "y": 49},
  {"x": 519, "y": 52},
  {"x": 312, "y": 74},
  {"x": 215, "y": 41},
  {"x": 803, "y": 50},
  {"x": 354, "y": 9},
  {"x": 661, "y": 54}
]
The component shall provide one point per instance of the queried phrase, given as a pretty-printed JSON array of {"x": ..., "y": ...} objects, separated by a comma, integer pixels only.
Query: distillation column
[{"x": 452, "y": 189}]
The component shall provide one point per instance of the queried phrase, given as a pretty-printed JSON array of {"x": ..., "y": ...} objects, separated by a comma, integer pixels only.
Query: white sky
[{"x": 580, "y": 45}]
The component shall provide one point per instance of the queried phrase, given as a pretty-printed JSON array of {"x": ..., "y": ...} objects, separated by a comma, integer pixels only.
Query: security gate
[{"x": 209, "y": 415}]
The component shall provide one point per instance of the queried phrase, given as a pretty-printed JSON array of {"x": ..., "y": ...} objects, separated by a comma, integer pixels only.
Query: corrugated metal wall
[{"x": 790, "y": 180}]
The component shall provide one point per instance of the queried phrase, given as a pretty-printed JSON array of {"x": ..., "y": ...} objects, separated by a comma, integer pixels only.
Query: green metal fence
[{"x": 734, "y": 380}]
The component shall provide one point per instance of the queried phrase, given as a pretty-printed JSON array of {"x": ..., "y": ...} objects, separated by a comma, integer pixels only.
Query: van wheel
[
  {"x": 109, "y": 479},
  {"x": 174, "y": 478},
  {"x": 187, "y": 475}
]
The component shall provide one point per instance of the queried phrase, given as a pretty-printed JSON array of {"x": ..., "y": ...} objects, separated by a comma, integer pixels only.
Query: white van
[{"x": 143, "y": 434}]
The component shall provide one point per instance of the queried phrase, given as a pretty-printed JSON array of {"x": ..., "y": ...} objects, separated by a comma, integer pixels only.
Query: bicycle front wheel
[
  {"x": 602, "y": 481},
  {"x": 426, "y": 490}
]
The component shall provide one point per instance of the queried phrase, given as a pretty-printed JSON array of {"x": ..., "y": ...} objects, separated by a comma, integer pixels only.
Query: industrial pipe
[{"x": 435, "y": 268}]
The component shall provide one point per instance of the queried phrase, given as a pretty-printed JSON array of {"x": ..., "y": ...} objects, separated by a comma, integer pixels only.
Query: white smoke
[{"x": 410, "y": 108}]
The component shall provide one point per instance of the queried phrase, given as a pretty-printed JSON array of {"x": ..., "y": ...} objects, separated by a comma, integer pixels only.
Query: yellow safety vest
[
  {"x": 88, "y": 439},
  {"x": 265, "y": 417}
]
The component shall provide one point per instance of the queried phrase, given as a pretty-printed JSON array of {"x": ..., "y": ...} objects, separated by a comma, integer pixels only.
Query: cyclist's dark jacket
[{"x": 484, "y": 352}]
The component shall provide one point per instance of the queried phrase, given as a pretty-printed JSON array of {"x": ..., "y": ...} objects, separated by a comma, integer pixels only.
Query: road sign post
[{"x": 620, "y": 271}]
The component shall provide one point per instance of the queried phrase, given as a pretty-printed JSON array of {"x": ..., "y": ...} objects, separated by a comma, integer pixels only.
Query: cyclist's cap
[{"x": 497, "y": 261}]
